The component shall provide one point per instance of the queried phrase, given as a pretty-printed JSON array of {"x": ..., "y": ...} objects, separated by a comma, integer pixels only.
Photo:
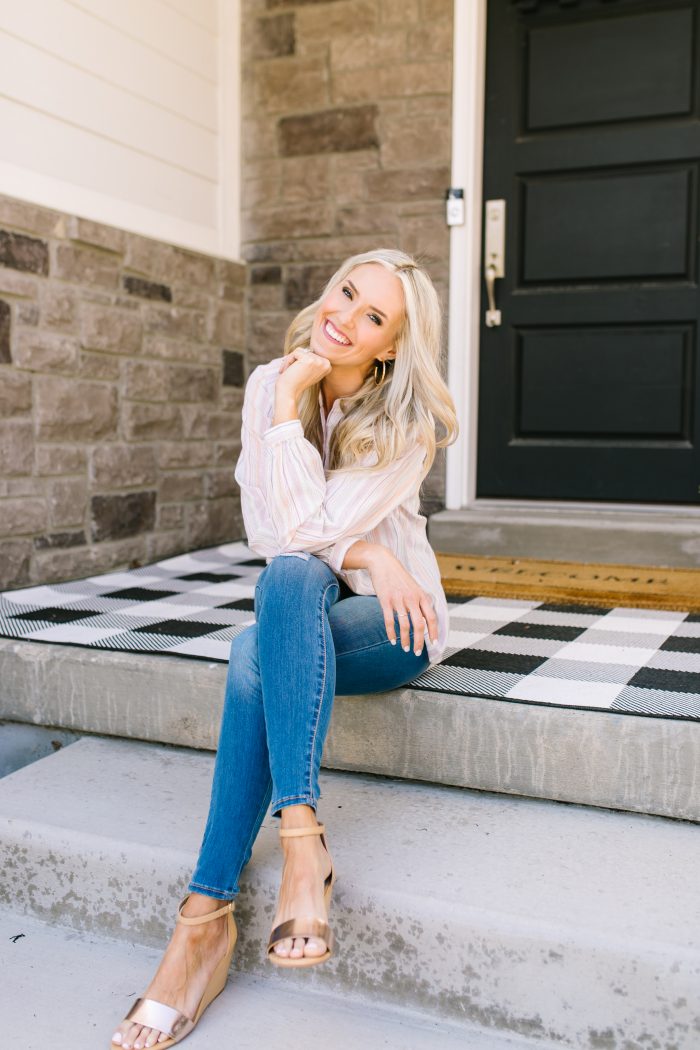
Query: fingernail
[
  {"x": 433, "y": 641},
  {"x": 393, "y": 641},
  {"x": 117, "y": 1038},
  {"x": 417, "y": 651},
  {"x": 407, "y": 648}
]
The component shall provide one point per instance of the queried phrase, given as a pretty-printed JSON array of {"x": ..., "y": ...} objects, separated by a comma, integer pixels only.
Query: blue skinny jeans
[{"x": 312, "y": 637}]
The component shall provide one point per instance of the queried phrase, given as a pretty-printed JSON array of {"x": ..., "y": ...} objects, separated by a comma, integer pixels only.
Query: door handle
[{"x": 494, "y": 255}]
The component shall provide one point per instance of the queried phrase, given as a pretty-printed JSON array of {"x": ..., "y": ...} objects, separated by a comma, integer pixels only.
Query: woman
[{"x": 337, "y": 437}]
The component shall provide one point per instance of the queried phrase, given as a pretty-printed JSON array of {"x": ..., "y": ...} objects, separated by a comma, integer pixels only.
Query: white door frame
[
  {"x": 468, "y": 92},
  {"x": 468, "y": 84}
]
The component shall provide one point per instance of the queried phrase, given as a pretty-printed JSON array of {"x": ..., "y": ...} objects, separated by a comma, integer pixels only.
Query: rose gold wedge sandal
[
  {"x": 152, "y": 1014},
  {"x": 304, "y": 927}
]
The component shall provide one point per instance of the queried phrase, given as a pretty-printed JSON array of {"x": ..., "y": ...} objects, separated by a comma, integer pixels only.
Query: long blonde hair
[{"x": 403, "y": 409}]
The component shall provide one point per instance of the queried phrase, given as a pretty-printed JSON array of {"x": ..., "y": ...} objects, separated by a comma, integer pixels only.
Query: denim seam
[
  {"x": 317, "y": 713},
  {"x": 215, "y": 889},
  {"x": 364, "y": 648}
]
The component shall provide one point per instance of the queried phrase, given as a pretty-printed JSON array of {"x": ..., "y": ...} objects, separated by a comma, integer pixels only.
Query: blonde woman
[{"x": 338, "y": 435}]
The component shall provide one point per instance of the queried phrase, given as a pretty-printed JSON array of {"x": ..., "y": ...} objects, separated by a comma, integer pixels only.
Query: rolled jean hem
[
  {"x": 293, "y": 800},
  {"x": 211, "y": 891}
]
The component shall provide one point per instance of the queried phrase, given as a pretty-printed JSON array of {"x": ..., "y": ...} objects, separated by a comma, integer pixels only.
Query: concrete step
[
  {"x": 46, "y": 1000},
  {"x": 596, "y": 758},
  {"x": 568, "y": 532},
  {"x": 532, "y": 918}
]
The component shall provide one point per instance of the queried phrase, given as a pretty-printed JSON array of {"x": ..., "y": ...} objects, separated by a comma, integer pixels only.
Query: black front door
[{"x": 589, "y": 388}]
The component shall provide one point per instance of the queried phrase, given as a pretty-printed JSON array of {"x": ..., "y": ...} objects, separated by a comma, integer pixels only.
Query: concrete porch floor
[{"x": 668, "y": 537}]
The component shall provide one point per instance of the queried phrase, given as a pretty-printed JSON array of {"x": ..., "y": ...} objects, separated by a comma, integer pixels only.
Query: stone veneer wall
[
  {"x": 121, "y": 376},
  {"x": 346, "y": 147}
]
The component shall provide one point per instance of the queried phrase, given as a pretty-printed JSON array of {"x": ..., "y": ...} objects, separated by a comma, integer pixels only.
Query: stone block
[
  {"x": 115, "y": 517},
  {"x": 74, "y": 409},
  {"x": 408, "y": 184},
  {"x": 150, "y": 258},
  {"x": 338, "y": 130},
  {"x": 231, "y": 400},
  {"x": 272, "y": 36},
  {"x": 361, "y": 50},
  {"x": 296, "y": 3},
  {"x": 5, "y": 327},
  {"x": 431, "y": 39},
  {"x": 143, "y": 421},
  {"x": 226, "y": 454},
  {"x": 416, "y": 142},
  {"x": 304, "y": 284},
  {"x": 60, "y": 539},
  {"x": 400, "y": 81},
  {"x": 95, "y": 234},
  {"x": 201, "y": 422},
  {"x": 54, "y": 565},
  {"x": 31, "y": 218},
  {"x": 22, "y": 486},
  {"x": 213, "y": 521},
  {"x": 184, "y": 454},
  {"x": 399, "y": 12},
  {"x": 59, "y": 307},
  {"x": 99, "y": 366},
  {"x": 146, "y": 380},
  {"x": 265, "y": 297},
  {"x": 40, "y": 351},
  {"x": 259, "y": 132},
  {"x": 178, "y": 350},
  {"x": 350, "y": 172},
  {"x": 226, "y": 325},
  {"x": 20, "y": 517},
  {"x": 232, "y": 272},
  {"x": 233, "y": 368},
  {"x": 26, "y": 313},
  {"x": 337, "y": 19},
  {"x": 17, "y": 444},
  {"x": 109, "y": 328},
  {"x": 283, "y": 85},
  {"x": 15, "y": 559},
  {"x": 18, "y": 284},
  {"x": 306, "y": 180},
  {"x": 67, "y": 500},
  {"x": 178, "y": 488},
  {"x": 192, "y": 384},
  {"x": 266, "y": 336},
  {"x": 219, "y": 483},
  {"x": 265, "y": 274},
  {"x": 60, "y": 459},
  {"x": 436, "y": 10},
  {"x": 84, "y": 265},
  {"x": 379, "y": 219},
  {"x": 117, "y": 466},
  {"x": 170, "y": 516},
  {"x": 427, "y": 239},
  {"x": 175, "y": 322},
  {"x": 193, "y": 268},
  {"x": 15, "y": 392},
  {"x": 292, "y": 220},
  {"x": 147, "y": 289},
  {"x": 24, "y": 253}
]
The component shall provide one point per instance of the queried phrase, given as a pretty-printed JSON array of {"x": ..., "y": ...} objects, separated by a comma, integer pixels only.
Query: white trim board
[{"x": 469, "y": 74}]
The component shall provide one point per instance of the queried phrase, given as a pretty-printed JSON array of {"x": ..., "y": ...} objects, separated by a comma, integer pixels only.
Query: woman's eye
[
  {"x": 375, "y": 319},
  {"x": 347, "y": 291}
]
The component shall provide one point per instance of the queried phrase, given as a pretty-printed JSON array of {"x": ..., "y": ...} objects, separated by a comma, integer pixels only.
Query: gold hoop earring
[{"x": 377, "y": 378}]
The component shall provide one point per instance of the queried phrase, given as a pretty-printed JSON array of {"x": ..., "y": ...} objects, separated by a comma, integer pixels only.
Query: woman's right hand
[
  {"x": 301, "y": 369},
  {"x": 398, "y": 592}
]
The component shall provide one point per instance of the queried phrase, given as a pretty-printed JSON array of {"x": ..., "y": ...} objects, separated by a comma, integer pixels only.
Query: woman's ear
[{"x": 388, "y": 355}]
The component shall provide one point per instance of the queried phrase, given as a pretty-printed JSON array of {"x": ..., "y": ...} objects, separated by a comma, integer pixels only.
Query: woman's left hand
[{"x": 400, "y": 593}]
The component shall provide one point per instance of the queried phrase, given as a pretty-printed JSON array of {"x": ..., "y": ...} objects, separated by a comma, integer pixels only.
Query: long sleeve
[{"x": 287, "y": 502}]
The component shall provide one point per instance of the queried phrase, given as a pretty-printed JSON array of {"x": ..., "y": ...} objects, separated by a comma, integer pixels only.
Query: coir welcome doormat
[
  {"x": 633, "y": 586},
  {"x": 621, "y": 660}
]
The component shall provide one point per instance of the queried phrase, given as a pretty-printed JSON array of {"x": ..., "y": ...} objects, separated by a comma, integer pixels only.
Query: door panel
[{"x": 589, "y": 388}]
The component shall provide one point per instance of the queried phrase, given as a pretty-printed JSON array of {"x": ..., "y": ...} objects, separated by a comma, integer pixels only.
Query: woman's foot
[
  {"x": 184, "y": 972},
  {"x": 307, "y": 864}
]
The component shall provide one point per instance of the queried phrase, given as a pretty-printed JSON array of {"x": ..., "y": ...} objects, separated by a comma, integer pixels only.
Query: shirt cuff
[
  {"x": 291, "y": 428},
  {"x": 338, "y": 552}
]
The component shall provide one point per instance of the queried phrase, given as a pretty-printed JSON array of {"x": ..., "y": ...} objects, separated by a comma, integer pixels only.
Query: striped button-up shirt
[{"x": 290, "y": 504}]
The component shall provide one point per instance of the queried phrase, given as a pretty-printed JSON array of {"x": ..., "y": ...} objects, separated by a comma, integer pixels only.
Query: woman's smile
[{"x": 335, "y": 336}]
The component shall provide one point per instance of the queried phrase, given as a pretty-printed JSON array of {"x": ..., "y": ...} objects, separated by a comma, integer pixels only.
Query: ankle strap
[
  {"x": 197, "y": 920},
  {"x": 288, "y": 833}
]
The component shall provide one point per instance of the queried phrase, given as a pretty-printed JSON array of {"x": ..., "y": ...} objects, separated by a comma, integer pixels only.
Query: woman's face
[{"x": 358, "y": 321}]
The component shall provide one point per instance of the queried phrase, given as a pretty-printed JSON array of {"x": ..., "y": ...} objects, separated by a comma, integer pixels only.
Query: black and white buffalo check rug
[{"x": 634, "y": 661}]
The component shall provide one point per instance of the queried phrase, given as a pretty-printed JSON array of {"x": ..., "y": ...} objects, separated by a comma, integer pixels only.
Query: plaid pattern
[{"x": 638, "y": 661}]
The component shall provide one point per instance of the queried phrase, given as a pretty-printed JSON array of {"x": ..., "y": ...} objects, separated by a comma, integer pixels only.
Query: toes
[
  {"x": 297, "y": 948},
  {"x": 315, "y": 947},
  {"x": 284, "y": 947}
]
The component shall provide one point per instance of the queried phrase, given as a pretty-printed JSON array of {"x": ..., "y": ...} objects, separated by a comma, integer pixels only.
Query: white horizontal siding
[{"x": 119, "y": 112}]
